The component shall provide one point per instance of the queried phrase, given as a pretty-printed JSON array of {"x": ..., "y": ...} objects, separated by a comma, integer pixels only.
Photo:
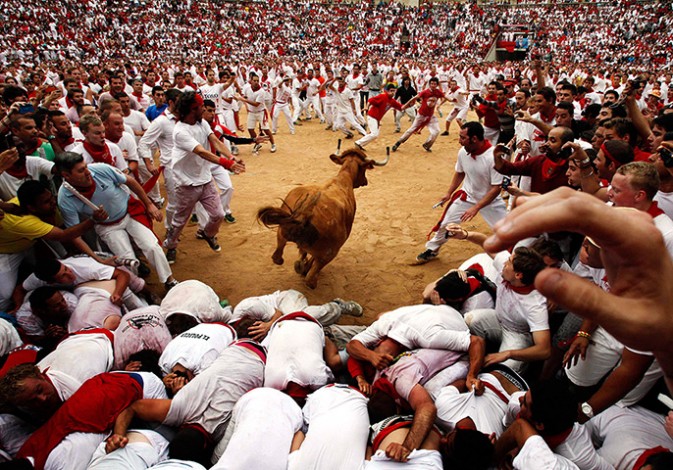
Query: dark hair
[
  {"x": 553, "y": 406},
  {"x": 47, "y": 269},
  {"x": 592, "y": 111},
  {"x": 11, "y": 93},
  {"x": 660, "y": 461},
  {"x": 665, "y": 121},
  {"x": 149, "y": 361},
  {"x": 208, "y": 104},
  {"x": 617, "y": 110},
  {"x": 567, "y": 106},
  {"x": 474, "y": 129},
  {"x": 620, "y": 151},
  {"x": 612, "y": 92},
  {"x": 157, "y": 88},
  {"x": 471, "y": 449},
  {"x": 241, "y": 326},
  {"x": 548, "y": 94},
  {"x": 66, "y": 161},
  {"x": 525, "y": 92},
  {"x": 121, "y": 94},
  {"x": 172, "y": 94},
  {"x": 29, "y": 191},
  {"x": 546, "y": 247},
  {"x": 434, "y": 79},
  {"x": 38, "y": 298},
  {"x": 451, "y": 288},
  {"x": 380, "y": 406},
  {"x": 190, "y": 443},
  {"x": 528, "y": 263},
  {"x": 571, "y": 87},
  {"x": 623, "y": 127},
  {"x": 55, "y": 113}
]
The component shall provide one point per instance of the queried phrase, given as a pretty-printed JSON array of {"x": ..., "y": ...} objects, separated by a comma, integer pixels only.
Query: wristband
[
  {"x": 225, "y": 162},
  {"x": 583, "y": 334}
]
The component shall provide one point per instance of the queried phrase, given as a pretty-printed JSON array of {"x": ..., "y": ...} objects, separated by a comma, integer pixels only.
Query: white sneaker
[
  {"x": 256, "y": 148},
  {"x": 292, "y": 132},
  {"x": 273, "y": 148}
]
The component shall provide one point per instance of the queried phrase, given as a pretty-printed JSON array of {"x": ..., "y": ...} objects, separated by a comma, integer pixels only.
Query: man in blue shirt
[
  {"x": 159, "y": 106},
  {"x": 104, "y": 185}
]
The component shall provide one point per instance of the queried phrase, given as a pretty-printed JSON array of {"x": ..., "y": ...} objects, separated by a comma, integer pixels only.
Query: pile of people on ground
[{"x": 548, "y": 350}]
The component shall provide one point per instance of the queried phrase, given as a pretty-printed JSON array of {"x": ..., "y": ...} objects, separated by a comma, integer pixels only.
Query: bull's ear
[{"x": 338, "y": 159}]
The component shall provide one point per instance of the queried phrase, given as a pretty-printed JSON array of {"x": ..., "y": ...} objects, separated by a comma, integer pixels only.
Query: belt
[
  {"x": 374, "y": 89},
  {"x": 112, "y": 223}
]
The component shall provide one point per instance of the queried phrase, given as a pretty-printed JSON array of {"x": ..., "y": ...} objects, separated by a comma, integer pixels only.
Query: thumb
[
  {"x": 619, "y": 315},
  {"x": 574, "y": 293}
]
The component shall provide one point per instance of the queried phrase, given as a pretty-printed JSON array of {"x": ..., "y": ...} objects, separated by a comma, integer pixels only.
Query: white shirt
[
  {"x": 296, "y": 354},
  {"x": 212, "y": 92},
  {"x": 84, "y": 268},
  {"x": 343, "y": 99},
  {"x": 127, "y": 143},
  {"x": 160, "y": 132},
  {"x": 254, "y": 96},
  {"x": 197, "y": 348},
  {"x": 263, "y": 424},
  {"x": 77, "y": 359},
  {"x": 137, "y": 121},
  {"x": 522, "y": 313},
  {"x": 665, "y": 202},
  {"x": 480, "y": 174},
  {"x": 36, "y": 167},
  {"x": 188, "y": 168},
  {"x": 536, "y": 455},
  {"x": 420, "y": 326},
  {"x": 116, "y": 153},
  {"x": 328, "y": 412}
]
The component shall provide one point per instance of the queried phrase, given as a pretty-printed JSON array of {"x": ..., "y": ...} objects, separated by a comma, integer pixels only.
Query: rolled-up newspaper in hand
[{"x": 80, "y": 196}]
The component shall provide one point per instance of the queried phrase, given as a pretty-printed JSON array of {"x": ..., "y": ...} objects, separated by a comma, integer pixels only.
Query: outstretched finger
[{"x": 629, "y": 320}]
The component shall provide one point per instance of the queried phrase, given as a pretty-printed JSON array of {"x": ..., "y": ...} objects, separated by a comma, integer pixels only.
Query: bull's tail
[{"x": 295, "y": 223}]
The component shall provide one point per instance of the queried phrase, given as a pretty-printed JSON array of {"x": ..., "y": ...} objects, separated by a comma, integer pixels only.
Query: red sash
[{"x": 460, "y": 194}]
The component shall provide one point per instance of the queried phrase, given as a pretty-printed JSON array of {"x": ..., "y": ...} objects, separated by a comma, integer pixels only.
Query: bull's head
[{"x": 355, "y": 162}]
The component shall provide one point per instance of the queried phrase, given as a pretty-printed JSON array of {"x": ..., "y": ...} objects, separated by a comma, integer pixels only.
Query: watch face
[{"x": 587, "y": 410}]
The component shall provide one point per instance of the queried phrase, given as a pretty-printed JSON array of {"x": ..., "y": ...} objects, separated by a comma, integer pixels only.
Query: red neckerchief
[
  {"x": 64, "y": 142},
  {"x": 654, "y": 210},
  {"x": 33, "y": 149},
  {"x": 87, "y": 192},
  {"x": 100, "y": 154},
  {"x": 137, "y": 94},
  {"x": 550, "y": 117},
  {"x": 523, "y": 290},
  {"x": 550, "y": 168},
  {"x": 557, "y": 439},
  {"x": 640, "y": 463},
  {"x": 68, "y": 102},
  {"x": 485, "y": 146},
  {"x": 19, "y": 173}
]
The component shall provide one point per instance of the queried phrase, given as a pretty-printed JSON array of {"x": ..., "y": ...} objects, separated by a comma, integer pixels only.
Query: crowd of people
[{"x": 548, "y": 349}]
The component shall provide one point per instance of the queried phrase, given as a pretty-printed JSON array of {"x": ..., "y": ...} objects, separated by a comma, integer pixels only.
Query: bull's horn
[{"x": 383, "y": 162}]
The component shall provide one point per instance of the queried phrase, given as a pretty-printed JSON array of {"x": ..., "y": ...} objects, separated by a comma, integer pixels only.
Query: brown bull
[{"x": 319, "y": 218}]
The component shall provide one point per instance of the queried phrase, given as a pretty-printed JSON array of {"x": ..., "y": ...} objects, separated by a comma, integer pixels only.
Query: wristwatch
[{"x": 587, "y": 410}]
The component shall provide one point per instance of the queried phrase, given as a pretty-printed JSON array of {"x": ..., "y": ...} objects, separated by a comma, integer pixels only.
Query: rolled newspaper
[{"x": 80, "y": 196}]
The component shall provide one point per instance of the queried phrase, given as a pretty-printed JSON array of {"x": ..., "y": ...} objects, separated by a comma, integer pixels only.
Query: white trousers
[
  {"x": 315, "y": 102},
  {"x": 432, "y": 123},
  {"x": 411, "y": 112},
  {"x": 492, "y": 213},
  {"x": 373, "y": 134},
  {"x": 285, "y": 110},
  {"x": 344, "y": 118},
  {"x": 118, "y": 238}
]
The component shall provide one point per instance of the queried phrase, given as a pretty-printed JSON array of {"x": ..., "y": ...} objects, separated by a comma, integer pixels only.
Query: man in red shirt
[
  {"x": 426, "y": 114},
  {"x": 378, "y": 107}
]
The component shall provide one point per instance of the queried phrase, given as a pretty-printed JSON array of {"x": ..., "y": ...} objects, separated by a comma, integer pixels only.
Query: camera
[
  {"x": 565, "y": 153},
  {"x": 506, "y": 182},
  {"x": 666, "y": 156},
  {"x": 26, "y": 108},
  {"x": 6, "y": 142}
]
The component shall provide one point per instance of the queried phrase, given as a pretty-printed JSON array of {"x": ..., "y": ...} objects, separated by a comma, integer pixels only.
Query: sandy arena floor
[{"x": 394, "y": 215}]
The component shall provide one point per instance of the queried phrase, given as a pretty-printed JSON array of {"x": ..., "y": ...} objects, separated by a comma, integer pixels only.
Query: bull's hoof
[
  {"x": 278, "y": 259},
  {"x": 300, "y": 268}
]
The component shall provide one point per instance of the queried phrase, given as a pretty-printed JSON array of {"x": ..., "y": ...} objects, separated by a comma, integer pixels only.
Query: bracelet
[{"x": 583, "y": 334}]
